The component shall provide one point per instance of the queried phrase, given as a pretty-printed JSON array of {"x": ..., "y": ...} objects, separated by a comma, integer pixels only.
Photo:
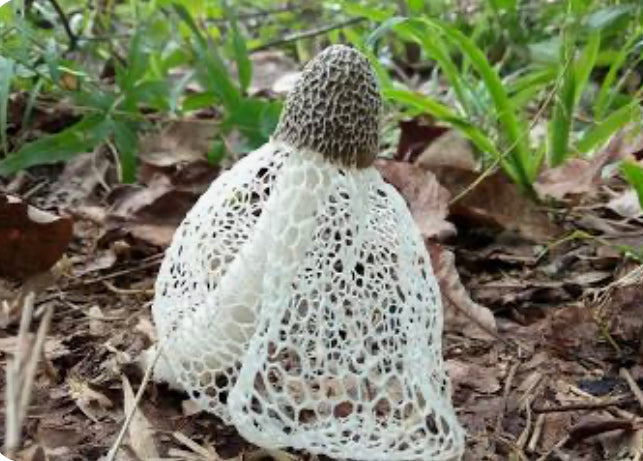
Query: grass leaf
[
  {"x": 126, "y": 140},
  {"x": 600, "y": 133},
  {"x": 6, "y": 74},
  {"x": 561, "y": 123}
]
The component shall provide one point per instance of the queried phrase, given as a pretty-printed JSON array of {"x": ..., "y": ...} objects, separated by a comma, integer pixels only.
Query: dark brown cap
[{"x": 335, "y": 108}]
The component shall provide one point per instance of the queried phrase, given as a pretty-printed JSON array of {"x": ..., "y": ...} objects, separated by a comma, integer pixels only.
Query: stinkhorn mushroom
[{"x": 297, "y": 300}]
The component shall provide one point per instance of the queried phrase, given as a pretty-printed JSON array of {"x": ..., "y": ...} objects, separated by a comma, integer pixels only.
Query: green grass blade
[
  {"x": 514, "y": 129},
  {"x": 600, "y": 133},
  {"x": 7, "y": 67},
  {"x": 561, "y": 122},
  {"x": 244, "y": 65},
  {"x": 586, "y": 63},
  {"x": 445, "y": 114},
  {"x": 217, "y": 79},
  {"x": 603, "y": 97},
  {"x": 126, "y": 140}
]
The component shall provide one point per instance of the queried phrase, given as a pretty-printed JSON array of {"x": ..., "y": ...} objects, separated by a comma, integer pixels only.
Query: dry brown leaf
[
  {"x": 149, "y": 213},
  {"x": 449, "y": 149},
  {"x": 415, "y": 136},
  {"x": 270, "y": 69},
  {"x": 79, "y": 180},
  {"x": 477, "y": 377},
  {"x": 461, "y": 314},
  {"x": 579, "y": 176},
  {"x": 626, "y": 204},
  {"x": 31, "y": 240},
  {"x": 86, "y": 398},
  {"x": 140, "y": 430},
  {"x": 496, "y": 204},
  {"x": 427, "y": 199}
]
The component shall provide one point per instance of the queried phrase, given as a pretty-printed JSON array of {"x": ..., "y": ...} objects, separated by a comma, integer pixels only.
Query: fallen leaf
[
  {"x": 449, "y": 149},
  {"x": 141, "y": 431},
  {"x": 480, "y": 378},
  {"x": 82, "y": 175},
  {"x": 150, "y": 213},
  {"x": 579, "y": 176},
  {"x": 31, "y": 240},
  {"x": 462, "y": 314},
  {"x": 626, "y": 204},
  {"x": 270, "y": 69},
  {"x": 415, "y": 136},
  {"x": 86, "y": 398},
  {"x": 496, "y": 204},
  {"x": 427, "y": 199}
]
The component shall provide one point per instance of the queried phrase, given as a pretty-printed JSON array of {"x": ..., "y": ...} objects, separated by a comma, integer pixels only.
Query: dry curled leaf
[
  {"x": 495, "y": 203},
  {"x": 427, "y": 199},
  {"x": 31, "y": 240},
  {"x": 462, "y": 314}
]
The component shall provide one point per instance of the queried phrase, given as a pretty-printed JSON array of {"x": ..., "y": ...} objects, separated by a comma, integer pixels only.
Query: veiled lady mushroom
[{"x": 297, "y": 300}]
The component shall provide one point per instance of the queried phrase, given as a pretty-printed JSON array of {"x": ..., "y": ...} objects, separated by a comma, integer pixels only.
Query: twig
[
  {"x": 636, "y": 390},
  {"x": 535, "y": 436},
  {"x": 505, "y": 397},
  {"x": 73, "y": 39},
  {"x": 308, "y": 34},
  {"x": 139, "y": 395},
  {"x": 146, "y": 265},
  {"x": 584, "y": 406}
]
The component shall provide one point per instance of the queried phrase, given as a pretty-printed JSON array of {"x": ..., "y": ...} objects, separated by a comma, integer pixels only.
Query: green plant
[
  {"x": 145, "y": 64},
  {"x": 490, "y": 101}
]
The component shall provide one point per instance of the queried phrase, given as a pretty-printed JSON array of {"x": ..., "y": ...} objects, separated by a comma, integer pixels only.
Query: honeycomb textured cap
[{"x": 335, "y": 108}]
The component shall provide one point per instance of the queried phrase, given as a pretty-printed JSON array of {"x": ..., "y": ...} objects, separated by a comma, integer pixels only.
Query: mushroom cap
[{"x": 335, "y": 108}]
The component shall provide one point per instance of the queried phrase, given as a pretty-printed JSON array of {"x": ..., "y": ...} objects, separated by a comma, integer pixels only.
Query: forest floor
[{"x": 553, "y": 374}]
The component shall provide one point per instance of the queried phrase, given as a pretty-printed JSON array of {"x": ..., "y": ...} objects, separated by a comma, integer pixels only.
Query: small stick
[
  {"x": 584, "y": 406},
  {"x": 535, "y": 436},
  {"x": 308, "y": 34},
  {"x": 505, "y": 397},
  {"x": 111, "y": 455},
  {"x": 636, "y": 390}
]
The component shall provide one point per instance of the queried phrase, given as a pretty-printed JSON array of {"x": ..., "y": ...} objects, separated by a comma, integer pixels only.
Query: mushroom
[{"x": 297, "y": 300}]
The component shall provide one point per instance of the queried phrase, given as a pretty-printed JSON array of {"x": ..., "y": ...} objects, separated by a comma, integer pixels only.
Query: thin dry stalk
[
  {"x": 21, "y": 373},
  {"x": 111, "y": 455}
]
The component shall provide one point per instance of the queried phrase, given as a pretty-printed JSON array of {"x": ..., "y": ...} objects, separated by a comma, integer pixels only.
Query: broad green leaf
[
  {"x": 7, "y": 67},
  {"x": 126, "y": 140},
  {"x": 269, "y": 118},
  {"x": 608, "y": 16},
  {"x": 633, "y": 173},
  {"x": 600, "y": 133},
  {"x": 196, "y": 101},
  {"x": 217, "y": 152},
  {"x": 79, "y": 138}
]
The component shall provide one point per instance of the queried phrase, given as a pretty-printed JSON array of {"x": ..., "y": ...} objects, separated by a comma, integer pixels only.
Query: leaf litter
[{"x": 544, "y": 323}]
